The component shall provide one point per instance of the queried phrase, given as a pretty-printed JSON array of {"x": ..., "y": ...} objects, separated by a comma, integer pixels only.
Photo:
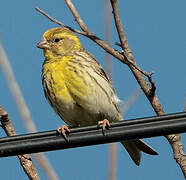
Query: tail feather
[
  {"x": 135, "y": 147},
  {"x": 145, "y": 147},
  {"x": 133, "y": 151}
]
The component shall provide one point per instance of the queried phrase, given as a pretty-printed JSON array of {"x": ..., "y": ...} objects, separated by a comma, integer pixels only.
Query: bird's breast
[
  {"x": 66, "y": 80},
  {"x": 54, "y": 82}
]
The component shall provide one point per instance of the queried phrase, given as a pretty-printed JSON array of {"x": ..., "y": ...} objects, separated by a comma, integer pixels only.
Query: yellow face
[{"x": 59, "y": 42}]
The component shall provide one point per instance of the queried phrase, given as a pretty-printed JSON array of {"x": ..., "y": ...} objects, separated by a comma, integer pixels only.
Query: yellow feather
[{"x": 65, "y": 81}]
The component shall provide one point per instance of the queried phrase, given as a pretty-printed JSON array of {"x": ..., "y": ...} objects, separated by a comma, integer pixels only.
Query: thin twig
[
  {"x": 23, "y": 109},
  {"x": 49, "y": 17},
  {"x": 58, "y": 22},
  {"x": 25, "y": 159}
]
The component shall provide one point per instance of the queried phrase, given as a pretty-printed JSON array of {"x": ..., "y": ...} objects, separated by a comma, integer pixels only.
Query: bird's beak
[{"x": 43, "y": 44}]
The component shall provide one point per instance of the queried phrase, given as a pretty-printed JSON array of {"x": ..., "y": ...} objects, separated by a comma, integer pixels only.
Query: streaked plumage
[{"x": 77, "y": 87}]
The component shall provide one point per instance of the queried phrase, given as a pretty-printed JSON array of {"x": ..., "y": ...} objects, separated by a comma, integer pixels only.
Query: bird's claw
[
  {"x": 105, "y": 125},
  {"x": 62, "y": 130}
]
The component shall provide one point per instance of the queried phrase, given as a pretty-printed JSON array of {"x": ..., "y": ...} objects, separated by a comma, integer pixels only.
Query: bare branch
[
  {"x": 25, "y": 160},
  {"x": 120, "y": 30},
  {"x": 23, "y": 109},
  {"x": 178, "y": 151}
]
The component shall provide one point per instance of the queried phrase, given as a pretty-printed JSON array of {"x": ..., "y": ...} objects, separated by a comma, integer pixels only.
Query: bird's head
[{"x": 58, "y": 42}]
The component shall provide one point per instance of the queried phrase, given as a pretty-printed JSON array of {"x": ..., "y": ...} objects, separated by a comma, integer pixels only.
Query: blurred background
[{"x": 156, "y": 34}]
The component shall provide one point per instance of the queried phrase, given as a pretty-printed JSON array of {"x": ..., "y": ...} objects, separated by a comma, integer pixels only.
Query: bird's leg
[
  {"x": 105, "y": 125},
  {"x": 62, "y": 130}
]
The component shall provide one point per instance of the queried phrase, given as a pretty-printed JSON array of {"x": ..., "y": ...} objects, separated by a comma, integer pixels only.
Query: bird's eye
[{"x": 56, "y": 40}]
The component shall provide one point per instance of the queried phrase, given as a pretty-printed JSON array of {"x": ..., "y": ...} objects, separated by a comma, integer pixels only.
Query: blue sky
[{"x": 156, "y": 34}]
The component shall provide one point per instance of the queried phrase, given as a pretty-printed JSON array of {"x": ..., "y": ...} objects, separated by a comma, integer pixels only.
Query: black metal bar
[
  {"x": 95, "y": 127},
  {"x": 93, "y": 137}
]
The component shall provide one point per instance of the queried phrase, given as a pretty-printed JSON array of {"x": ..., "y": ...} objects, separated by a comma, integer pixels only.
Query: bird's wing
[
  {"x": 98, "y": 69},
  {"x": 104, "y": 91}
]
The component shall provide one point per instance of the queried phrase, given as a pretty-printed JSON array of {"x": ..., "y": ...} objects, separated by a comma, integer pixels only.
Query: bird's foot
[
  {"x": 62, "y": 130},
  {"x": 105, "y": 125}
]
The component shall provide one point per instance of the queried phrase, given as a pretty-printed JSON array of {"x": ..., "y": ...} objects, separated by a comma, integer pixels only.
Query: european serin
[{"x": 78, "y": 89}]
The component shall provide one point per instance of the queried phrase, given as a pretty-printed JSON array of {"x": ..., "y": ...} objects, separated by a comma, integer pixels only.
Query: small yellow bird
[{"x": 78, "y": 89}]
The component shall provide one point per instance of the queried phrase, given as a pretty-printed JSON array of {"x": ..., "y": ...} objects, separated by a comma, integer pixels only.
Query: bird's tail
[{"x": 135, "y": 147}]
